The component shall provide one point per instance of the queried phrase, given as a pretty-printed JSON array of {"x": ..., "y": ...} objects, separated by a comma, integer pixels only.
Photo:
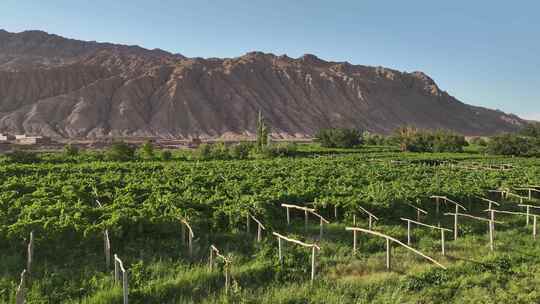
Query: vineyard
[{"x": 188, "y": 231}]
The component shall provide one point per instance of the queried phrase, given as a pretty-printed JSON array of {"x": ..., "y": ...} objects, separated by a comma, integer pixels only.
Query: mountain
[{"x": 59, "y": 87}]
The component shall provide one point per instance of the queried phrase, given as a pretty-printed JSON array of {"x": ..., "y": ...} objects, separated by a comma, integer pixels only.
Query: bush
[
  {"x": 339, "y": 138},
  {"x": 241, "y": 150},
  {"x": 23, "y": 157},
  {"x": 219, "y": 151},
  {"x": 203, "y": 152},
  {"x": 510, "y": 144},
  {"x": 166, "y": 155},
  {"x": 479, "y": 141},
  {"x": 71, "y": 150},
  {"x": 276, "y": 150},
  {"x": 446, "y": 141},
  {"x": 147, "y": 150},
  {"x": 120, "y": 151},
  {"x": 414, "y": 140},
  {"x": 531, "y": 130}
]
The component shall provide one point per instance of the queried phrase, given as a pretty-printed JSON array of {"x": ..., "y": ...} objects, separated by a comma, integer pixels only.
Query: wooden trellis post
[
  {"x": 306, "y": 210},
  {"x": 190, "y": 235},
  {"x": 120, "y": 270},
  {"x": 20, "y": 292},
  {"x": 260, "y": 227},
  {"x": 312, "y": 246},
  {"x": 418, "y": 211},
  {"x": 529, "y": 190},
  {"x": 493, "y": 211},
  {"x": 390, "y": 239},
  {"x": 528, "y": 210},
  {"x": 106, "y": 241},
  {"x": 370, "y": 215},
  {"x": 502, "y": 192},
  {"x": 30, "y": 253},
  {"x": 409, "y": 221},
  {"x": 215, "y": 252},
  {"x": 457, "y": 207},
  {"x": 490, "y": 221}
]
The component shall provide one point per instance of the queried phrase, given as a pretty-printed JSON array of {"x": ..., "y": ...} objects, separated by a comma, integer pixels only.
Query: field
[{"x": 143, "y": 203}]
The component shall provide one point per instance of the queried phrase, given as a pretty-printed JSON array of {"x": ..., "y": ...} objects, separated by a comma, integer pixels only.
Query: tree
[
  {"x": 120, "y": 151},
  {"x": 166, "y": 155},
  {"x": 70, "y": 150},
  {"x": 262, "y": 132},
  {"x": 147, "y": 150},
  {"x": 339, "y": 138}
]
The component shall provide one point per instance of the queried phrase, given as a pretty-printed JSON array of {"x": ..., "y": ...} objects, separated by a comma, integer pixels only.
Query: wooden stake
[
  {"x": 20, "y": 293},
  {"x": 125, "y": 286},
  {"x": 247, "y": 223},
  {"x": 354, "y": 219},
  {"x": 388, "y": 253},
  {"x": 107, "y": 248},
  {"x": 226, "y": 278},
  {"x": 116, "y": 271},
  {"x": 288, "y": 216},
  {"x": 455, "y": 226},
  {"x": 491, "y": 227},
  {"x": 442, "y": 243},
  {"x": 437, "y": 200},
  {"x": 211, "y": 259},
  {"x": 370, "y": 223},
  {"x": 30, "y": 256},
  {"x": 183, "y": 232},
  {"x": 354, "y": 242},
  {"x": 279, "y": 249},
  {"x": 534, "y": 227},
  {"x": 259, "y": 233},
  {"x": 190, "y": 244},
  {"x": 312, "y": 264},
  {"x": 335, "y": 212},
  {"x": 305, "y": 220},
  {"x": 321, "y": 229},
  {"x": 409, "y": 233}
]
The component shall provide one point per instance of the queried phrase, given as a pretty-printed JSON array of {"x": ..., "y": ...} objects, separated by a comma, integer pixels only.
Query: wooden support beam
[
  {"x": 388, "y": 251},
  {"x": 30, "y": 253},
  {"x": 20, "y": 294},
  {"x": 190, "y": 235},
  {"x": 312, "y": 246},
  {"x": 107, "y": 248},
  {"x": 215, "y": 252},
  {"x": 379, "y": 234},
  {"x": 119, "y": 269}
]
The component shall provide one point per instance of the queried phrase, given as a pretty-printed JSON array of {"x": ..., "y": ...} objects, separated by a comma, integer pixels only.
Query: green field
[{"x": 143, "y": 202}]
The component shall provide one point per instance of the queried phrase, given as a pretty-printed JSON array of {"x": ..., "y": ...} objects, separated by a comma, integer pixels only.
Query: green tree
[
  {"x": 262, "y": 132},
  {"x": 339, "y": 138},
  {"x": 120, "y": 151},
  {"x": 147, "y": 150},
  {"x": 71, "y": 150}
]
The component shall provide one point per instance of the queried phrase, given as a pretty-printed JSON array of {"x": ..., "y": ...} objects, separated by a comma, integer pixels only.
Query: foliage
[
  {"x": 22, "y": 156},
  {"x": 515, "y": 145},
  {"x": 166, "y": 155},
  {"x": 414, "y": 140},
  {"x": 203, "y": 151},
  {"x": 146, "y": 151},
  {"x": 531, "y": 130},
  {"x": 263, "y": 132},
  {"x": 479, "y": 141},
  {"x": 339, "y": 138},
  {"x": 241, "y": 150},
  {"x": 120, "y": 151},
  {"x": 71, "y": 150}
]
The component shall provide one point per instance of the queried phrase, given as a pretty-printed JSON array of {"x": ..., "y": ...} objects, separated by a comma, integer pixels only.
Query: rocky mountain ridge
[{"x": 68, "y": 88}]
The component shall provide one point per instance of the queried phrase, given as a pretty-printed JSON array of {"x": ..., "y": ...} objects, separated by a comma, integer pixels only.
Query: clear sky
[{"x": 483, "y": 52}]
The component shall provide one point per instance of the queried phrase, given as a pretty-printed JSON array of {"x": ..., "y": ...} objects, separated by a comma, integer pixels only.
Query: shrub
[
  {"x": 23, "y": 157},
  {"x": 531, "y": 130},
  {"x": 339, "y": 138},
  {"x": 414, "y": 140},
  {"x": 71, "y": 150},
  {"x": 203, "y": 152},
  {"x": 240, "y": 150},
  {"x": 219, "y": 151},
  {"x": 510, "y": 144},
  {"x": 479, "y": 141},
  {"x": 146, "y": 151},
  {"x": 166, "y": 155},
  {"x": 120, "y": 151},
  {"x": 446, "y": 141}
]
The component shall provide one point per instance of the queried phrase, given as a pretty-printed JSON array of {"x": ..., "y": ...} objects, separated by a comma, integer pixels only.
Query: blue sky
[{"x": 483, "y": 52}]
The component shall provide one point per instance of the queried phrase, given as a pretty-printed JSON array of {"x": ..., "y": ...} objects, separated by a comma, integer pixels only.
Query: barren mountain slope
[{"x": 61, "y": 87}]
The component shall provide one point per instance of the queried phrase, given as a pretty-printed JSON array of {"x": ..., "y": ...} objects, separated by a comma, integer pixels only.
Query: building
[
  {"x": 32, "y": 140},
  {"x": 6, "y": 137}
]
